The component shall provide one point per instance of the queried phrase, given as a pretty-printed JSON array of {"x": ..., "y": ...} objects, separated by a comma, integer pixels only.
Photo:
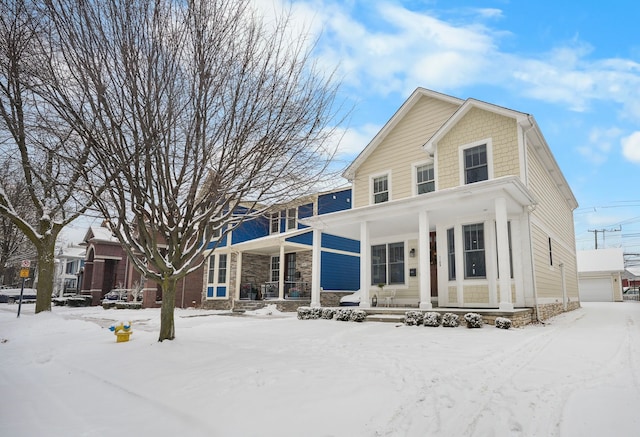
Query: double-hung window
[
  {"x": 474, "y": 259},
  {"x": 292, "y": 219},
  {"x": 381, "y": 189},
  {"x": 217, "y": 284},
  {"x": 275, "y": 223},
  {"x": 451, "y": 253},
  {"x": 476, "y": 168},
  {"x": 425, "y": 179},
  {"x": 387, "y": 264}
]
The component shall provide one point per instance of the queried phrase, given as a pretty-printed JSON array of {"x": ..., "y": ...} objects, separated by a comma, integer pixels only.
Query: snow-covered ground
[{"x": 63, "y": 374}]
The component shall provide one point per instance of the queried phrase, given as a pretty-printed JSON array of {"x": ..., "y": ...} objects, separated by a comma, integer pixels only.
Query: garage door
[{"x": 595, "y": 290}]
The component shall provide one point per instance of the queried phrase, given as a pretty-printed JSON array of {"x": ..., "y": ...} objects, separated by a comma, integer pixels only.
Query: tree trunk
[
  {"x": 167, "y": 326},
  {"x": 46, "y": 272}
]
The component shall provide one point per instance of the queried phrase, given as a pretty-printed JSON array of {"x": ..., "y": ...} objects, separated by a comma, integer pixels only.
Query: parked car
[{"x": 350, "y": 299}]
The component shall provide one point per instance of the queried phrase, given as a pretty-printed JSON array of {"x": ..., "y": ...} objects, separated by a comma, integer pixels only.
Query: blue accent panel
[
  {"x": 339, "y": 272},
  {"x": 250, "y": 230},
  {"x": 306, "y": 238},
  {"x": 340, "y": 243},
  {"x": 221, "y": 291},
  {"x": 283, "y": 221},
  {"x": 209, "y": 291},
  {"x": 336, "y": 201},
  {"x": 212, "y": 244}
]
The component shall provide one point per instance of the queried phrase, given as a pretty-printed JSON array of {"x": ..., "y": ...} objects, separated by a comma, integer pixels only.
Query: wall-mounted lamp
[{"x": 412, "y": 253}]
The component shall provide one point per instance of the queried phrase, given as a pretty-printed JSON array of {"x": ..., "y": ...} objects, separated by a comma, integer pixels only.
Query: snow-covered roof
[
  {"x": 100, "y": 233},
  {"x": 600, "y": 260},
  {"x": 72, "y": 251}
]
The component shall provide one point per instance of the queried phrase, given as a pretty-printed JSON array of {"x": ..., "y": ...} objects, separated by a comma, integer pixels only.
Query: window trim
[
  {"x": 466, "y": 251},
  {"x": 387, "y": 263},
  {"x": 489, "y": 144},
  {"x": 274, "y": 217},
  {"x": 294, "y": 218},
  {"x": 414, "y": 176},
  {"x": 372, "y": 178},
  {"x": 213, "y": 276}
]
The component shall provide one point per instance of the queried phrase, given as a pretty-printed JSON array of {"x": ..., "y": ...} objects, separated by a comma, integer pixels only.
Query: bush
[
  {"x": 474, "y": 320},
  {"x": 503, "y": 323},
  {"x": 358, "y": 315},
  {"x": 304, "y": 313},
  {"x": 328, "y": 313},
  {"x": 344, "y": 314},
  {"x": 108, "y": 304},
  {"x": 432, "y": 319},
  {"x": 413, "y": 318},
  {"x": 79, "y": 301},
  {"x": 450, "y": 320},
  {"x": 316, "y": 313},
  {"x": 128, "y": 305}
]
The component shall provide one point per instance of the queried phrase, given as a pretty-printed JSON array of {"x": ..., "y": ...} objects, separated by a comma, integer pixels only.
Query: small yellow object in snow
[{"x": 121, "y": 331}]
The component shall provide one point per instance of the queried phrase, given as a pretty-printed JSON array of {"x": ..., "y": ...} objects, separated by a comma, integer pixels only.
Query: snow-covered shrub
[
  {"x": 358, "y": 315},
  {"x": 432, "y": 319},
  {"x": 474, "y": 320},
  {"x": 128, "y": 305},
  {"x": 503, "y": 323},
  {"x": 450, "y": 320},
  {"x": 304, "y": 313},
  {"x": 328, "y": 313},
  {"x": 413, "y": 318},
  {"x": 108, "y": 304},
  {"x": 316, "y": 313},
  {"x": 344, "y": 314}
]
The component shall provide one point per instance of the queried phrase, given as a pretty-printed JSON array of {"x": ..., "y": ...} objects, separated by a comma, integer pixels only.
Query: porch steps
[{"x": 389, "y": 318}]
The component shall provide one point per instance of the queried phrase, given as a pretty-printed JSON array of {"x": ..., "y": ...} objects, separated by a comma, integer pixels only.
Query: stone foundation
[
  {"x": 332, "y": 298},
  {"x": 546, "y": 311}
]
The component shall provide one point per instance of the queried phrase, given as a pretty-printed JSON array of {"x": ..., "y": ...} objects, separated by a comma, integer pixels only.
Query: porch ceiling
[{"x": 401, "y": 216}]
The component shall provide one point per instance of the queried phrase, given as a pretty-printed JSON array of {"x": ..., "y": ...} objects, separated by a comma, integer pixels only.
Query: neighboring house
[
  {"x": 69, "y": 266},
  {"x": 459, "y": 203},
  {"x": 267, "y": 259},
  {"x": 600, "y": 275},
  {"x": 107, "y": 267}
]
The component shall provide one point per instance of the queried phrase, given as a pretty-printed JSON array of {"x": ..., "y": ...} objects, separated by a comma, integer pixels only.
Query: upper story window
[
  {"x": 381, "y": 189},
  {"x": 476, "y": 167},
  {"x": 275, "y": 223},
  {"x": 292, "y": 217},
  {"x": 425, "y": 182}
]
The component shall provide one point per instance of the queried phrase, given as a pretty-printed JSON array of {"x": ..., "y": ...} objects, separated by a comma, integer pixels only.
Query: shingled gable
[
  {"x": 531, "y": 129},
  {"x": 350, "y": 172}
]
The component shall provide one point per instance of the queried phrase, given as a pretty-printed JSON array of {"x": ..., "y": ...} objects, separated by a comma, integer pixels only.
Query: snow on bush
[
  {"x": 450, "y": 320},
  {"x": 432, "y": 319},
  {"x": 413, "y": 318},
  {"x": 328, "y": 313},
  {"x": 474, "y": 320},
  {"x": 358, "y": 315},
  {"x": 344, "y": 314},
  {"x": 503, "y": 323},
  {"x": 307, "y": 313}
]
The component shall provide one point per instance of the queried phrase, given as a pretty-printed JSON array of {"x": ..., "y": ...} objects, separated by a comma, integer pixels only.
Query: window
[
  {"x": 474, "y": 262},
  {"x": 222, "y": 269},
  {"x": 70, "y": 270},
  {"x": 550, "y": 253},
  {"x": 425, "y": 179},
  {"x": 380, "y": 189},
  {"x": 212, "y": 267},
  {"x": 291, "y": 218},
  {"x": 475, "y": 164},
  {"x": 387, "y": 264},
  {"x": 275, "y": 223},
  {"x": 275, "y": 268},
  {"x": 451, "y": 253}
]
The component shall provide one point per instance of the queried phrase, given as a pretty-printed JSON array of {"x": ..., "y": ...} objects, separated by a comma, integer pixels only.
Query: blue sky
[{"x": 575, "y": 66}]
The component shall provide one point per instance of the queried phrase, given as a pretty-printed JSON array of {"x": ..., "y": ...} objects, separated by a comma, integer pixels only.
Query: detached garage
[{"x": 599, "y": 275}]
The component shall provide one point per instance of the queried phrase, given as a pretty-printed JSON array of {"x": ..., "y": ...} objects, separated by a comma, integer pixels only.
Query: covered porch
[{"x": 464, "y": 236}]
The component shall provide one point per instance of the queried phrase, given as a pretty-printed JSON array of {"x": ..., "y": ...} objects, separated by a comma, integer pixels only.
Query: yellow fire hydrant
[{"x": 121, "y": 331}]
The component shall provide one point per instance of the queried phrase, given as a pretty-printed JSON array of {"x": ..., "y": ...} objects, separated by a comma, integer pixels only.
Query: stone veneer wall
[
  {"x": 255, "y": 268},
  {"x": 332, "y": 298},
  {"x": 303, "y": 265},
  {"x": 553, "y": 309}
]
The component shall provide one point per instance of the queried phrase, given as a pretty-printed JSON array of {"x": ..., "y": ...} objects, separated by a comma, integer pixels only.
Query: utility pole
[{"x": 595, "y": 234}]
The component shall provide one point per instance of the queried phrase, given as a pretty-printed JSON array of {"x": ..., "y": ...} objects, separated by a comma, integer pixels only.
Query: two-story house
[
  {"x": 267, "y": 259},
  {"x": 69, "y": 265},
  {"x": 459, "y": 203}
]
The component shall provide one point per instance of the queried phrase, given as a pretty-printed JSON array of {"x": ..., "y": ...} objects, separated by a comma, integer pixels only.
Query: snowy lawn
[{"x": 63, "y": 374}]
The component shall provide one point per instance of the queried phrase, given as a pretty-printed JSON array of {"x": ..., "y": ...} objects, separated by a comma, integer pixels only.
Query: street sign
[
  {"x": 26, "y": 263},
  {"x": 24, "y": 273}
]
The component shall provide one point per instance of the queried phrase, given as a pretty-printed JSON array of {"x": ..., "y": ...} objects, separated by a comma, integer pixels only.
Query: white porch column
[
  {"x": 424, "y": 261},
  {"x": 365, "y": 265},
  {"x": 281, "y": 273},
  {"x": 316, "y": 253},
  {"x": 502, "y": 237}
]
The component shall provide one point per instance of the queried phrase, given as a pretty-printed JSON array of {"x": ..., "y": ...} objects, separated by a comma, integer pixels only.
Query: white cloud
[
  {"x": 631, "y": 147},
  {"x": 600, "y": 144}
]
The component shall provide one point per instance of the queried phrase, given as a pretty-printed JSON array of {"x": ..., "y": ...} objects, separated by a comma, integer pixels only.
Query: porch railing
[{"x": 269, "y": 290}]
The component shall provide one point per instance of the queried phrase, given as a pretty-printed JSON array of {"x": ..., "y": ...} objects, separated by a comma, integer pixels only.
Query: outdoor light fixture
[{"x": 412, "y": 253}]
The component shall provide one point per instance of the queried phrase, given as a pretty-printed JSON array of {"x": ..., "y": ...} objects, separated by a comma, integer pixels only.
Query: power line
[{"x": 595, "y": 234}]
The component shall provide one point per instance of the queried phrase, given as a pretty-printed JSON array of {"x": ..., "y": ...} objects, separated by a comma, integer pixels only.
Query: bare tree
[
  {"x": 205, "y": 110},
  {"x": 39, "y": 150}
]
